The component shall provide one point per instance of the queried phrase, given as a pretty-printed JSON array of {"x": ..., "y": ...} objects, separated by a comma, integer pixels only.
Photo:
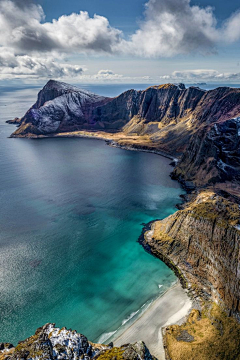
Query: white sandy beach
[{"x": 166, "y": 310}]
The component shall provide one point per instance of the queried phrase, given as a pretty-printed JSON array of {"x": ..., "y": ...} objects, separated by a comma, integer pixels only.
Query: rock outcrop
[
  {"x": 203, "y": 242},
  {"x": 51, "y": 343}
]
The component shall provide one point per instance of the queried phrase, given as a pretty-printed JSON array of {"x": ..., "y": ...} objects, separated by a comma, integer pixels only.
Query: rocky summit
[{"x": 51, "y": 343}]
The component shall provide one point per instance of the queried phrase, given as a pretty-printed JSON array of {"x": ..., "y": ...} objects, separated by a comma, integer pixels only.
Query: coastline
[
  {"x": 111, "y": 139},
  {"x": 170, "y": 308},
  {"x": 166, "y": 247}
]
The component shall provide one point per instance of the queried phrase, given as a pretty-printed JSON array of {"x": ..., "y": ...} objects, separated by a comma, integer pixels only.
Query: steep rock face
[
  {"x": 59, "y": 107},
  {"x": 222, "y": 103},
  {"x": 51, "y": 343},
  {"x": 168, "y": 115},
  {"x": 203, "y": 241},
  {"x": 213, "y": 155}
]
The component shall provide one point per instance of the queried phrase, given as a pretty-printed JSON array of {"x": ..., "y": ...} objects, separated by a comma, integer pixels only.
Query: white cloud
[
  {"x": 173, "y": 27},
  {"x": 231, "y": 28},
  {"x": 199, "y": 75},
  {"x": 107, "y": 75},
  {"x": 104, "y": 76},
  {"x": 22, "y": 29},
  {"x": 170, "y": 27},
  {"x": 25, "y": 66},
  {"x": 30, "y": 46}
]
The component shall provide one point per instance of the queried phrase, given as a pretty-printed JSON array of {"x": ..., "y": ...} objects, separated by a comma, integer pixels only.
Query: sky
[{"x": 127, "y": 41}]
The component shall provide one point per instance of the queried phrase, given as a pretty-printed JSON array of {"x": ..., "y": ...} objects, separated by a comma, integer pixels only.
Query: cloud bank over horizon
[{"x": 32, "y": 47}]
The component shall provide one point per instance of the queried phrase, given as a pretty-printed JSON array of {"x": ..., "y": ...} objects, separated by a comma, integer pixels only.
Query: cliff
[
  {"x": 213, "y": 155},
  {"x": 167, "y": 115},
  {"x": 203, "y": 242},
  {"x": 51, "y": 343}
]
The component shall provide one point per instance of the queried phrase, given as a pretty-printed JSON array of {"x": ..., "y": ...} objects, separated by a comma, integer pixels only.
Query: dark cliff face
[
  {"x": 213, "y": 155},
  {"x": 203, "y": 241},
  {"x": 222, "y": 103}
]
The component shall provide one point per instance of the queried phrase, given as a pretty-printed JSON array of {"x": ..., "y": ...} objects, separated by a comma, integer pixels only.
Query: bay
[{"x": 71, "y": 212}]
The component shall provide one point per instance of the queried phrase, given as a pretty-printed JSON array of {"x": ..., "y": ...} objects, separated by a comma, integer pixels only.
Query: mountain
[
  {"x": 59, "y": 107},
  {"x": 202, "y": 126},
  {"x": 168, "y": 114}
]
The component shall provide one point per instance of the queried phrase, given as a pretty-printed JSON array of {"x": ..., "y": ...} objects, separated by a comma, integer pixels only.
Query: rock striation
[
  {"x": 51, "y": 343},
  {"x": 203, "y": 242},
  {"x": 213, "y": 155}
]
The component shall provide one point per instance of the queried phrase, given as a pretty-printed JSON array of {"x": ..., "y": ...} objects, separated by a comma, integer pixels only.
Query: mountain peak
[{"x": 62, "y": 86}]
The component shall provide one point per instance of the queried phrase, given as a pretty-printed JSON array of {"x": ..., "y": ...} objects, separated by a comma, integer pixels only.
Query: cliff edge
[
  {"x": 202, "y": 243},
  {"x": 51, "y": 343}
]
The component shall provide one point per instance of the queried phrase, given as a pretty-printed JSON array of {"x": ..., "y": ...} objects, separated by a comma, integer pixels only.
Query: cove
[{"x": 71, "y": 214}]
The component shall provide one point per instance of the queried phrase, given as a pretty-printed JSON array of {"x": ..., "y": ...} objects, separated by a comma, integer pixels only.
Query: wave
[
  {"x": 130, "y": 317},
  {"x": 105, "y": 336}
]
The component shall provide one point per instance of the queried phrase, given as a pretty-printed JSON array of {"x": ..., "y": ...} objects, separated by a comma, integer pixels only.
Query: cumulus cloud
[
  {"x": 25, "y": 66},
  {"x": 103, "y": 76},
  {"x": 174, "y": 27},
  {"x": 231, "y": 28},
  {"x": 199, "y": 75},
  {"x": 28, "y": 43},
  {"x": 22, "y": 28},
  {"x": 107, "y": 75},
  {"x": 170, "y": 27}
]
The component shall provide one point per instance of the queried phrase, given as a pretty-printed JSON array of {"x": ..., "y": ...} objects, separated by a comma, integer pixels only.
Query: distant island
[{"x": 200, "y": 131}]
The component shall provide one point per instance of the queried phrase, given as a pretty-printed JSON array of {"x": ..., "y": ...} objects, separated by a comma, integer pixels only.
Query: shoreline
[
  {"x": 172, "y": 307},
  {"x": 111, "y": 139}
]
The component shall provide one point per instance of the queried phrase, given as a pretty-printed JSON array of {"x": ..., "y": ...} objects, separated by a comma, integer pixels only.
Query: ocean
[{"x": 71, "y": 212}]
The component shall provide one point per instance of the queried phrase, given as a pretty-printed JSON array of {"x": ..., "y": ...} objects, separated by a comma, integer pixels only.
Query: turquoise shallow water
[{"x": 70, "y": 216}]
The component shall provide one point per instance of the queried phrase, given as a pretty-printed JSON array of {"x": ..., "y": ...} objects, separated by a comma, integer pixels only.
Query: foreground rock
[{"x": 51, "y": 343}]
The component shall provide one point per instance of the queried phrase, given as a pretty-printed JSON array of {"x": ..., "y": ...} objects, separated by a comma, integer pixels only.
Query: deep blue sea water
[{"x": 71, "y": 211}]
